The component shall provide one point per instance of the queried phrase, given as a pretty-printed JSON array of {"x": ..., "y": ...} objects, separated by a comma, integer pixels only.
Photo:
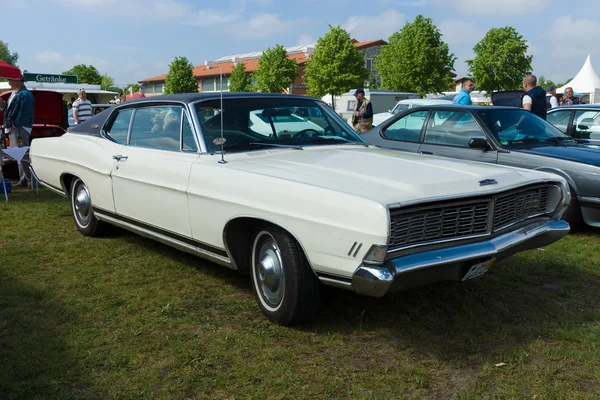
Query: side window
[
  {"x": 452, "y": 128},
  {"x": 189, "y": 144},
  {"x": 407, "y": 128},
  {"x": 157, "y": 128},
  {"x": 120, "y": 126},
  {"x": 587, "y": 125},
  {"x": 559, "y": 119}
]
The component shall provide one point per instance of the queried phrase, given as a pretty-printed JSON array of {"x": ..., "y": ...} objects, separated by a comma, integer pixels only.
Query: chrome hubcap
[
  {"x": 82, "y": 204},
  {"x": 269, "y": 272}
]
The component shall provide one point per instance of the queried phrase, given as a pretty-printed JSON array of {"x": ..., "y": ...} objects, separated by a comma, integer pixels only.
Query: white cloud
[
  {"x": 458, "y": 32},
  {"x": 571, "y": 37},
  {"x": 495, "y": 7},
  {"x": 54, "y": 61},
  {"x": 364, "y": 27},
  {"x": 305, "y": 39},
  {"x": 181, "y": 12},
  {"x": 261, "y": 25}
]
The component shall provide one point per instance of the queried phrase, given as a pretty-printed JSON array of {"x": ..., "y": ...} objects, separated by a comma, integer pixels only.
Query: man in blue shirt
[{"x": 464, "y": 97}]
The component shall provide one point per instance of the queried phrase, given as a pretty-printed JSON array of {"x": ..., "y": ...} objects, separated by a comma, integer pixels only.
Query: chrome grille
[
  {"x": 518, "y": 205},
  {"x": 437, "y": 223}
]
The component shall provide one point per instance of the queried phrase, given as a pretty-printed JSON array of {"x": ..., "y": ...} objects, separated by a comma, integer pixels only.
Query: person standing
[
  {"x": 534, "y": 99},
  {"x": 551, "y": 100},
  {"x": 362, "y": 119},
  {"x": 82, "y": 107},
  {"x": 464, "y": 96},
  {"x": 569, "y": 98},
  {"x": 18, "y": 121}
]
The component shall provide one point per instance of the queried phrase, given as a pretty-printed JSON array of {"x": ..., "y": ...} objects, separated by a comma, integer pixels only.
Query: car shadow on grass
[{"x": 35, "y": 358}]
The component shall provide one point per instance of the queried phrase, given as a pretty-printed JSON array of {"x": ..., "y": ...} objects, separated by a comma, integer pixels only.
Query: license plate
[{"x": 479, "y": 269}]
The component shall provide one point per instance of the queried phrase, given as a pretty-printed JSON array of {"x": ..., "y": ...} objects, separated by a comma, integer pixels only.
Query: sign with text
[{"x": 49, "y": 78}]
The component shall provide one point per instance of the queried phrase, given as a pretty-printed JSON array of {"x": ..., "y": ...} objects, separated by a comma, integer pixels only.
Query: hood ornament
[{"x": 486, "y": 182}]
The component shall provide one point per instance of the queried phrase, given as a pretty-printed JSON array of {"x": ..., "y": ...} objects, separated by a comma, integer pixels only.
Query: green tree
[
  {"x": 86, "y": 74},
  {"x": 416, "y": 59},
  {"x": 180, "y": 78},
  {"x": 108, "y": 83},
  {"x": 135, "y": 87},
  {"x": 543, "y": 82},
  {"x": 240, "y": 81},
  {"x": 335, "y": 66},
  {"x": 564, "y": 83},
  {"x": 7, "y": 56},
  {"x": 275, "y": 71},
  {"x": 501, "y": 60}
]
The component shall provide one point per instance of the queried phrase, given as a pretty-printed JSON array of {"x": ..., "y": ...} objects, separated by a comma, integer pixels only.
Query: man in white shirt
[
  {"x": 82, "y": 107},
  {"x": 551, "y": 100}
]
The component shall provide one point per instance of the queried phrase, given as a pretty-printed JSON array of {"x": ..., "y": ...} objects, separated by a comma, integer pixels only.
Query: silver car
[{"x": 500, "y": 135}]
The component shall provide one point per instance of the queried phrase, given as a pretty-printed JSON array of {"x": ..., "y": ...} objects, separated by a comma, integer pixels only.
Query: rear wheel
[
  {"x": 286, "y": 289},
  {"x": 81, "y": 207}
]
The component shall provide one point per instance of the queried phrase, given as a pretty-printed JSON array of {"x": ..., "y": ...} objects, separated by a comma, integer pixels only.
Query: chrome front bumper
[{"x": 451, "y": 264}]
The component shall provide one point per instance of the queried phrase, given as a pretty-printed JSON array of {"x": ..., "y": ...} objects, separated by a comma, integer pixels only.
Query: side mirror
[{"x": 478, "y": 143}]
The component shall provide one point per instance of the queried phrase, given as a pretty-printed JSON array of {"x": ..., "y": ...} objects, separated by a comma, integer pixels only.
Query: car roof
[
  {"x": 192, "y": 97},
  {"x": 576, "y": 107},
  {"x": 425, "y": 101}
]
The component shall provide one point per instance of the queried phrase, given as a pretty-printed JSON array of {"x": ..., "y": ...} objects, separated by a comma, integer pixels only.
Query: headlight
[{"x": 376, "y": 254}]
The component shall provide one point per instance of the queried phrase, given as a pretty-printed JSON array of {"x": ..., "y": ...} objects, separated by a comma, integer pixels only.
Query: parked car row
[{"x": 249, "y": 182}]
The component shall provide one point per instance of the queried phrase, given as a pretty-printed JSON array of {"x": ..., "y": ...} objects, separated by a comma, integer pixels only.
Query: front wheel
[
  {"x": 286, "y": 289},
  {"x": 81, "y": 207}
]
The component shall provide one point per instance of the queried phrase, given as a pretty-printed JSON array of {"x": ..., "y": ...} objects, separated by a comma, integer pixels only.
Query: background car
[
  {"x": 96, "y": 109},
  {"x": 294, "y": 210},
  {"x": 404, "y": 105},
  {"x": 286, "y": 123},
  {"x": 578, "y": 121},
  {"x": 500, "y": 135}
]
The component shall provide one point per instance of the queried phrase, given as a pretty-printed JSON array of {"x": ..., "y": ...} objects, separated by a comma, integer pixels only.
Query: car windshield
[
  {"x": 516, "y": 127},
  {"x": 256, "y": 123}
]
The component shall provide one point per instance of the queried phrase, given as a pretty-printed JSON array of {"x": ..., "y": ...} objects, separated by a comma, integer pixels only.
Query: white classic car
[{"x": 295, "y": 211}]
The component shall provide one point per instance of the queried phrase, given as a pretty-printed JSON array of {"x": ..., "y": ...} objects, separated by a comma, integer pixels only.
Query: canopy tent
[
  {"x": 9, "y": 71},
  {"x": 586, "y": 82},
  {"x": 69, "y": 90}
]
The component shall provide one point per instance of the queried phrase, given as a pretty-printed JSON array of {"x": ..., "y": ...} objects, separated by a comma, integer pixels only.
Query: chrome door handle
[{"x": 119, "y": 157}]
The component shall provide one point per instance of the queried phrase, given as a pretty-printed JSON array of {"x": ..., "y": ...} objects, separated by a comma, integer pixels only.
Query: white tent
[{"x": 586, "y": 82}]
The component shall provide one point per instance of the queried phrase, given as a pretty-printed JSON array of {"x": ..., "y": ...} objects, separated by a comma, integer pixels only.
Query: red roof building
[{"x": 209, "y": 73}]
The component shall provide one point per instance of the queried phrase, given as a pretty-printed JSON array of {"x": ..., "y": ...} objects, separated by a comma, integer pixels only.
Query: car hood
[
  {"x": 381, "y": 175},
  {"x": 588, "y": 154},
  {"x": 49, "y": 107}
]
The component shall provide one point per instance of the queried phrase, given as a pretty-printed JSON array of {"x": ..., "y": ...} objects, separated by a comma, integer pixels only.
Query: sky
[{"x": 135, "y": 39}]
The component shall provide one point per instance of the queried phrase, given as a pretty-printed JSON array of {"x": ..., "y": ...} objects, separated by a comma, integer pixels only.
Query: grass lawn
[{"x": 124, "y": 317}]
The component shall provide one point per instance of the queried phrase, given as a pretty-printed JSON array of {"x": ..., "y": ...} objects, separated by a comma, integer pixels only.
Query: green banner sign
[{"x": 49, "y": 78}]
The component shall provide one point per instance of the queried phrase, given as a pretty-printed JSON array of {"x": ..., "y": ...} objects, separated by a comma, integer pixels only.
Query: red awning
[{"x": 9, "y": 72}]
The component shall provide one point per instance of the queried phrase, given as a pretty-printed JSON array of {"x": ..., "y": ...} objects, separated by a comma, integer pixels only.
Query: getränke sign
[{"x": 49, "y": 78}]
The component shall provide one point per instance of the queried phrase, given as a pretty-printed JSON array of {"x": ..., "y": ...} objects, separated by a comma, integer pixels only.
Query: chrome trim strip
[
  {"x": 52, "y": 188},
  {"x": 165, "y": 240},
  {"x": 336, "y": 283},
  {"x": 589, "y": 201}
]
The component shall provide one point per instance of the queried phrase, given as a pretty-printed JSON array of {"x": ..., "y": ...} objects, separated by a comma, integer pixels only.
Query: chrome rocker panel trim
[{"x": 451, "y": 264}]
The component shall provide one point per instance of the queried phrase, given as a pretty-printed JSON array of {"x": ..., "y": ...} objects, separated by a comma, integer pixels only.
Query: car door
[
  {"x": 150, "y": 177},
  {"x": 454, "y": 133},
  {"x": 561, "y": 119},
  {"x": 404, "y": 133}
]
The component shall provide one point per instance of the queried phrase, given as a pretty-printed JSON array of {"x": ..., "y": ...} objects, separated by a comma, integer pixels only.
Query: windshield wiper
[
  {"x": 559, "y": 139},
  {"x": 239, "y": 146},
  {"x": 334, "y": 139}
]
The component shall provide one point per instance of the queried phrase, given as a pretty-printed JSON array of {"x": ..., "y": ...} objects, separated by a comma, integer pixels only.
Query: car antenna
[{"x": 222, "y": 139}]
